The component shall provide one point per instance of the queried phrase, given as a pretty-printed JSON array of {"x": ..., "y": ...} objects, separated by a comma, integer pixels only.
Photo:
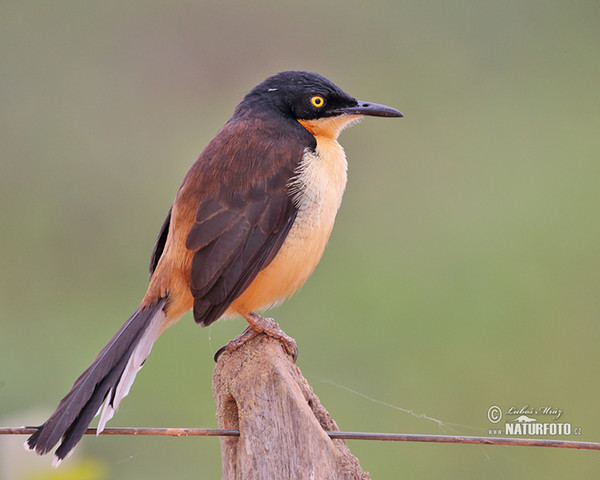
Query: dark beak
[{"x": 370, "y": 109}]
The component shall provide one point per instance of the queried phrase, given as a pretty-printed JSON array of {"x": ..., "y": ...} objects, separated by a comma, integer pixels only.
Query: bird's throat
[{"x": 329, "y": 127}]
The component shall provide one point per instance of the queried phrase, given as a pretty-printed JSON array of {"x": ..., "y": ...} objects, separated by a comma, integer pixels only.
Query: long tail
[{"x": 109, "y": 378}]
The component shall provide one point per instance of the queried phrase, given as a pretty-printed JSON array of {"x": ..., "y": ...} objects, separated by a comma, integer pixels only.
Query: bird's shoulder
[
  {"x": 244, "y": 173},
  {"x": 248, "y": 152}
]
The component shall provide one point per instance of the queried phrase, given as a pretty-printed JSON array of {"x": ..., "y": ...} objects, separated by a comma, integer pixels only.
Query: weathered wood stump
[{"x": 261, "y": 392}]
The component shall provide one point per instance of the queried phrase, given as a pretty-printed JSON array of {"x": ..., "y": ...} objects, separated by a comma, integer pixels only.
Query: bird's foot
[
  {"x": 258, "y": 324},
  {"x": 269, "y": 327},
  {"x": 237, "y": 342}
]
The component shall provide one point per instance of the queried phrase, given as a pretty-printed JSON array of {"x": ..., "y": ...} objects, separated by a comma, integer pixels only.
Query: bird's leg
[{"x": 256, "y": 325}]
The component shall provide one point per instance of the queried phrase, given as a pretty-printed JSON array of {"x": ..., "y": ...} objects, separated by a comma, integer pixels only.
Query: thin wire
[{"x": 390, "y": 437}]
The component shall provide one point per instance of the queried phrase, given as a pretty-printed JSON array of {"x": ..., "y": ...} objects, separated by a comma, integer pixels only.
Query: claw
[
  {"x": 237, "y": 342},
  {"x": 219, "y": 352},
  {"x": 289, "y": 345}
]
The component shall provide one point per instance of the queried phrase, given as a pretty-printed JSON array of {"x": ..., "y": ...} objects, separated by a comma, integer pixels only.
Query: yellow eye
[{"x": 317, "y": 101}]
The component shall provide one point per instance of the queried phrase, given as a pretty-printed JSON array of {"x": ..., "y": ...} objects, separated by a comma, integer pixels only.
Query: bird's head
[{"x": 317, "y": 103}]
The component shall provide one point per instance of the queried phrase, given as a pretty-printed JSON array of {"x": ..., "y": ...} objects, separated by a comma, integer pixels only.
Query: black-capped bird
[{"x": 248, "y": 226}]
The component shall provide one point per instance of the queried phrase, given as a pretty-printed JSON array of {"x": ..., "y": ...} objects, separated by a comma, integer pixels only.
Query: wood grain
[{"x": 261, "y": 392}]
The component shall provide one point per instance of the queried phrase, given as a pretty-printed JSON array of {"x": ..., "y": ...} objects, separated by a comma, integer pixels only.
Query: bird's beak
[{"x": 370, "y": 109}]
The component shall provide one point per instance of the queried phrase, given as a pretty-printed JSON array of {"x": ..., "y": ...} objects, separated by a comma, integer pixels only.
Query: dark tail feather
[{"x": 77, "y": 409}]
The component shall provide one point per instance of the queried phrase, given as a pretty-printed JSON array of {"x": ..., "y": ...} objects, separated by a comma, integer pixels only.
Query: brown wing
[{"x": 245, "y": 210}]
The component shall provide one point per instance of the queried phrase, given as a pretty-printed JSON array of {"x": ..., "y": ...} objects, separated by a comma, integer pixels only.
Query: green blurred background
[{"x": 464, "y": 269}]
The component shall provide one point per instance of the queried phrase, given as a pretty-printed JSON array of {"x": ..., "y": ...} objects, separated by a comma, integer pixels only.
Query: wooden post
[{"x": 261, "y": 392}]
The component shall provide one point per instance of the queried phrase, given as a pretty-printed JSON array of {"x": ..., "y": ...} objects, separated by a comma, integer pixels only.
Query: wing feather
[
  {"x": 244, "y": 213},
  {"x": 208, "y": 230}
]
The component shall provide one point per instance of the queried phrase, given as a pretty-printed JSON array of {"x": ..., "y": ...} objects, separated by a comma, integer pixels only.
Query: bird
[{"x": 248, "y": 226}]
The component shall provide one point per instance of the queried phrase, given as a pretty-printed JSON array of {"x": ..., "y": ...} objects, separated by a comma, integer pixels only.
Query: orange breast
[{"x": 318, "y": 187}]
